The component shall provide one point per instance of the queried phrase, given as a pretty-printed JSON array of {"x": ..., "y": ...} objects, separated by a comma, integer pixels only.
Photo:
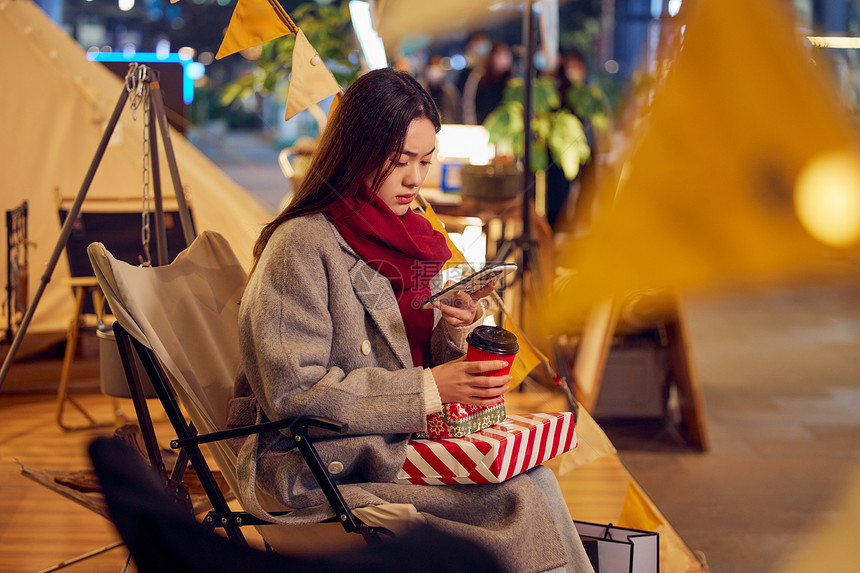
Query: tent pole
[
  {"x": 66, "y": 231},
  {"x": 184, "y": 216},
  {"x": 157, "y": 99}
]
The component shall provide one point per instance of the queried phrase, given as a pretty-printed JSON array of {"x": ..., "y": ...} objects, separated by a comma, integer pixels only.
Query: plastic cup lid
[{"x": 493, "y": 339}]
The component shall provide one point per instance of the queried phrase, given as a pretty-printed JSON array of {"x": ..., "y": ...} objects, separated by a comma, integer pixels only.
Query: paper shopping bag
[{"x": 619, "y": 550}]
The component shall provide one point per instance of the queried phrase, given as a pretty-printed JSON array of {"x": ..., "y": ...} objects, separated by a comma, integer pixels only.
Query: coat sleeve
[
  {"x": 287, "y": 331},
  {"x": 449, "y": 342}
]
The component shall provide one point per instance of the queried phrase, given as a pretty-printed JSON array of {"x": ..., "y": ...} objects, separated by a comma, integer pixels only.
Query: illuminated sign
[{"x": 191, "y": 70}]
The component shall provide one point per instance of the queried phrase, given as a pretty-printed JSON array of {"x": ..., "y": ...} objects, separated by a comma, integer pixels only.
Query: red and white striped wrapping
[{"x": 491, "y": 455}]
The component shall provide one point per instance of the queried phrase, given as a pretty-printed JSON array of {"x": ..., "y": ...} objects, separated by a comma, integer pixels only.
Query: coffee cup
[{"x": 492, "y": 343}]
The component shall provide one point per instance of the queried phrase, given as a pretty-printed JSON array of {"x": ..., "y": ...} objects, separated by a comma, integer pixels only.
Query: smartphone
[{"x": 472, "y": 283}]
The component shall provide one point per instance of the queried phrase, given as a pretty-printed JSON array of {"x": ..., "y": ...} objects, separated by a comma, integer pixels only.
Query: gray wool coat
[{"x": 321, "y": 335}]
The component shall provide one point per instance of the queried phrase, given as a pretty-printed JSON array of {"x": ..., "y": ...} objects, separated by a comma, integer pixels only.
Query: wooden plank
[{"x": 690, "y": 400}]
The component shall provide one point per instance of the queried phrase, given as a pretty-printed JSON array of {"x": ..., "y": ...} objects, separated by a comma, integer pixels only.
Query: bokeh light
[{"x": 827, "y": 198}]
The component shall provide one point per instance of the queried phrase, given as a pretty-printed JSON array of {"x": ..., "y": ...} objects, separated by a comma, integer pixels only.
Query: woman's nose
[{"x": 413, "y": 174}]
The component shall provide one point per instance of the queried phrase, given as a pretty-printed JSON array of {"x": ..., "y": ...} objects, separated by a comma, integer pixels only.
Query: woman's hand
[
  {"x": 462, "y": 381},
  {"x": 460, "y": 308}
]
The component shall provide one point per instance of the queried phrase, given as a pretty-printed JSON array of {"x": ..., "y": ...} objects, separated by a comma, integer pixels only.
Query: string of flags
[{"x": 256, "y": 22}]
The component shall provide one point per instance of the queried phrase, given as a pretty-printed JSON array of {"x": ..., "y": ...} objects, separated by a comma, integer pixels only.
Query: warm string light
[{"x": 838, "y": 42}]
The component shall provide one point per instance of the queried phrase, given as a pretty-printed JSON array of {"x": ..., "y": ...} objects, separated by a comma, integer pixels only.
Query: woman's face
[{"x": 410, "y": 170}]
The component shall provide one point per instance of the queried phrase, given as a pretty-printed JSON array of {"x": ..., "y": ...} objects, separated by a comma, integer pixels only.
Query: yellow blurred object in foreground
[{"x": 730, "y": 179}]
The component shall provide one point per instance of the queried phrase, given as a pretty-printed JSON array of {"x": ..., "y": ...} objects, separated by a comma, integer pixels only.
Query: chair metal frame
[{"x": 187, "y": 441}]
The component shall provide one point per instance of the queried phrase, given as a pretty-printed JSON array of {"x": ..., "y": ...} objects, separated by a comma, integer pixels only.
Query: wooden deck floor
[{"x": 39, "y": 528}]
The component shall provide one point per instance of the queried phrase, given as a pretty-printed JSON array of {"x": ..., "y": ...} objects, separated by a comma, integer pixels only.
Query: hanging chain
[
  {"x": 136, "y": 86},
  {"x": 138, "y": 89},
  {"x": 145, "y": 233}
]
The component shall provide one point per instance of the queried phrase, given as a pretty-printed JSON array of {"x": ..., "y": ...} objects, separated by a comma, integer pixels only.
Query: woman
[{"x": 331, "y": 325}]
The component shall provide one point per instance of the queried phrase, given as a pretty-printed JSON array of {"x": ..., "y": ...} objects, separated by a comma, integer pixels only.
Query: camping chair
[{"x": 181, "y": 319}]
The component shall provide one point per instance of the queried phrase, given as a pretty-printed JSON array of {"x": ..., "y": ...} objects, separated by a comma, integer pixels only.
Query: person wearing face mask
[
  {"x": 561, "y": 194},
  {"x": 486, "y": 85},
  {"x": 443, "y": 92},
  {"x": 476, "y": 51}
]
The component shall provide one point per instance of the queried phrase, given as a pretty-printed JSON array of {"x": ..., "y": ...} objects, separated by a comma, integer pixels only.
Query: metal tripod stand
[{"x": 142, "y": 85}]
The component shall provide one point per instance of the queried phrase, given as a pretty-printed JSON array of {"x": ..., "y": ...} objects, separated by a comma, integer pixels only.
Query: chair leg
[
  {"x": 63, "y": 395},
  {"x": 69, "y": 357}
]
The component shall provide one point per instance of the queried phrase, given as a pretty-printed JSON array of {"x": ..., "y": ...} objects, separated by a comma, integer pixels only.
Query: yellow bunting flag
[
  {"x": 527, "y": 359},
  {"x": 310, "y": 81},
  {"x": 457, "y": 257},
  {"x": 745, "y": 171},
  {"x": 254, "y": 22}
]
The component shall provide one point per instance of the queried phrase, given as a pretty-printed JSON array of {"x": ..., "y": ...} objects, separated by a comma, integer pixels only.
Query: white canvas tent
[{"x": 54, "y": 106}]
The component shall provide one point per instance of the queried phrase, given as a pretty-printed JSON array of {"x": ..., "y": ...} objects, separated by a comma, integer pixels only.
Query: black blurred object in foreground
[{"x": 163, "y": 537}]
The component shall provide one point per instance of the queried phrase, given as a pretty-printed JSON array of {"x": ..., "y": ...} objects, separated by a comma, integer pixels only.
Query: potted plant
[{"x": 558, "y": 133}]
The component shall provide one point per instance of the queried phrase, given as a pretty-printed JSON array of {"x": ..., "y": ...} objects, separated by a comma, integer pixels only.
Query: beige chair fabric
[{"x": 187, "y": 313}]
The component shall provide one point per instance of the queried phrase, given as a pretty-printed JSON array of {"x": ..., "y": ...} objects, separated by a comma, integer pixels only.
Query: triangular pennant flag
[
  {"x": 527, "y": 359},
  {"x": 746, "y": 171},
  {"x": 310, "y": 81},
  {"x": 457, "y": 257},
  {"x": 254, "y": 22}
]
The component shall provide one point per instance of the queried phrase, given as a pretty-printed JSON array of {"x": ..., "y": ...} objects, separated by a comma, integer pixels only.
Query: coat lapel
[{"x": 375, "y": 293}]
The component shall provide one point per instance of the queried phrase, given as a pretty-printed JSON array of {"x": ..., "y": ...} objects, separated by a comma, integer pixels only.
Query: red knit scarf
[{"x": 407, "y": 251}]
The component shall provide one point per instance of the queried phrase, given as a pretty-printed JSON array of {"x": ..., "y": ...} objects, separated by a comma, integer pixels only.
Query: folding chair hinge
[
  {"x": 179, "y": 492},
  {"x": 215, "y": 519}
]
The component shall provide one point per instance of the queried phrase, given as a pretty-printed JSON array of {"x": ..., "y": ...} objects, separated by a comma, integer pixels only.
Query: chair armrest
[
  {"x": 294, "y": 423},
  {"x": 299, "y": 429}
]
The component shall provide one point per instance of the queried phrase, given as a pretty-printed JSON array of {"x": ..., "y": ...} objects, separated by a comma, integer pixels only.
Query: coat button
[
  {"x": 335, "y": 468},
  {"x": 365, "y": 347}
]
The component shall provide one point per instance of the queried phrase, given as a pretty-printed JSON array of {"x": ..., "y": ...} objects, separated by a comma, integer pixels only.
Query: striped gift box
[{"x": 491, "y": 455}]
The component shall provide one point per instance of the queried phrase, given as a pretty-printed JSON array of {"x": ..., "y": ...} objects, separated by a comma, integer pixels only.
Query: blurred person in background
[
  {"x": 437, "y": 83},
  {"x": 476, "y": 51},
  {"x": 486, "y": 84},
  {"x": 570, "y": 77}
]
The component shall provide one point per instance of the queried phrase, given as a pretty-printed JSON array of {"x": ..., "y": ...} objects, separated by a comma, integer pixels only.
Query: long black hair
[{"x": 365, "y": 134}]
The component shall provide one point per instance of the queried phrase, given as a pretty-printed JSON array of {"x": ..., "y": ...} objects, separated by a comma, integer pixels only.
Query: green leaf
[
  {"x": 567, "y": 143},
  {"x": 513, "y": 92},
  {"x": 540, "y": 159},
  {"x": 505, "y": 122},
  {"x": 541, "y": 127},
  {"x": 545, "y": 96},
  {"x": 237, "y": 91}
]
